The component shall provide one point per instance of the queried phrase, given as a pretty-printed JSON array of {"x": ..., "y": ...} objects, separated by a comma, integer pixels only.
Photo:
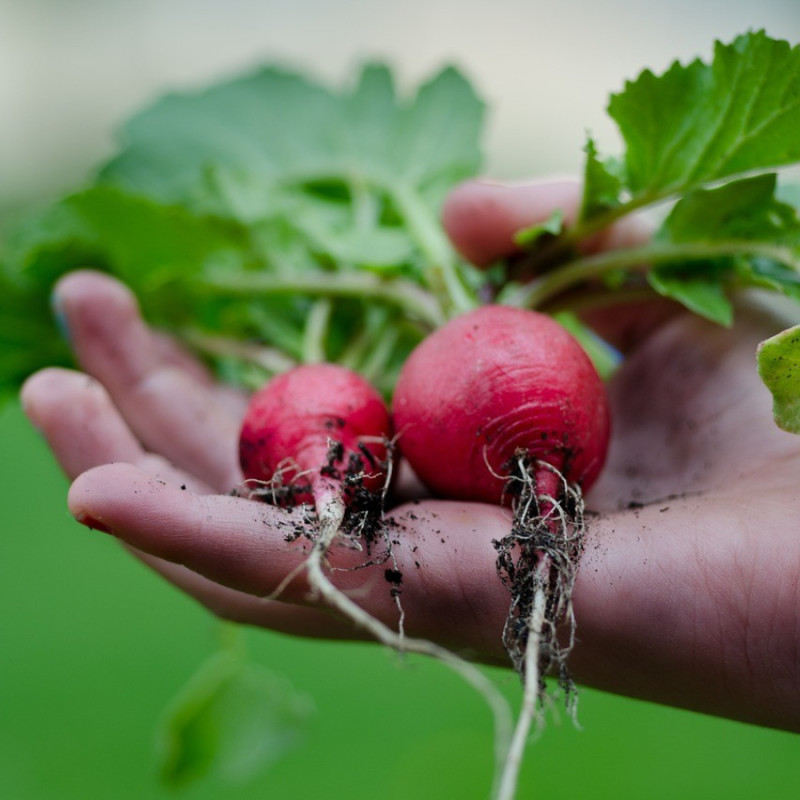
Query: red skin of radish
[
  {"x": 292, "y": 420},
  {"x": 491, "y": 384}
]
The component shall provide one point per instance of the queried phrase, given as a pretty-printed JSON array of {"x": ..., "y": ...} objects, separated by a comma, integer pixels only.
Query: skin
[{"x": 689, "y": 598}]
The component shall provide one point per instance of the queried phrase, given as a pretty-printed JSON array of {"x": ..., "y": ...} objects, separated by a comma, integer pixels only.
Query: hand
[{"x": 688, "y": 590}]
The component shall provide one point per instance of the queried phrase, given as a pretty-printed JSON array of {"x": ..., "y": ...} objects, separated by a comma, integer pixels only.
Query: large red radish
[
  {"x": 503, "y": 405},
  {"x": 495, "y": 385}
]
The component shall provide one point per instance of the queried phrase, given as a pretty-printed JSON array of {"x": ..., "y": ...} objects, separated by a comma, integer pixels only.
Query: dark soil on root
[
  {"x": 541, "y": 554},
  {"x": 364, "y": 526}
]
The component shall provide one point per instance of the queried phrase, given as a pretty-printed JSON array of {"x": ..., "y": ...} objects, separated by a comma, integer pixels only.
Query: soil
[
  {"x": 364, "y": 526},
  {"x": 541, "y": 554}
]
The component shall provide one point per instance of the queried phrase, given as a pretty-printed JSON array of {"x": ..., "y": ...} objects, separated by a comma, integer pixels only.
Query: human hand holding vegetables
[{"x": 690, "y": 599}]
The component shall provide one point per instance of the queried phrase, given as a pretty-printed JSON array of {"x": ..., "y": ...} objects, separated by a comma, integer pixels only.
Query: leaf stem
[
  {"x": 269, "y": 358},
  {"x": 315, "y": 331},
  {"x": 547, "y": 286},
  {"x": 416, "y": 302},
  {"x": 375, "y": 366},
  {"x": 372, "y": 329},
  {"x": 441, "y": 270}
]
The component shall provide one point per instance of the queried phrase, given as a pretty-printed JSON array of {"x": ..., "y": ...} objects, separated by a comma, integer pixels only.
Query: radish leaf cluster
[
  {"x": 240, "y": 212},
  {"x": 269, "y": 220}
]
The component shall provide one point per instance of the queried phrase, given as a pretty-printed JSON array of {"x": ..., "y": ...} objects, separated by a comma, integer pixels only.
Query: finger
[
  {"x": 444, "y": 552},
  {"x": 171, "y": 353},
  {"x": 667, "y": 609},
  {"x": 173, "y": 411},
  {"x": 482, "y": 217},
  {"x": 84, "y": 429},
  {"x": 247, "y": 609}
]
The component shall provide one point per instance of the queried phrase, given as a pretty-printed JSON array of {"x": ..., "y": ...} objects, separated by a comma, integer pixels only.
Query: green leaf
[
  {"x": 234, "y": 719},
  {"x": 359, "y": 176},
  {"x": 768, "y": 274},
  {"x": 47, "y": 244},
  {"x": 741, "y": 210},
  {"x": 703, "y": 122},
  {"x": 382, "y": 248},
  {"x": 602, "y": 183},
  {"x": 29, "y": 338},
  {"x": 279, "y": 128},
  {"x": 372, "y": 110},
  {"x": 530, "y": 237},
  {"x": 789, "y": 192},
  {"x": 141, "y": 241},
  {"x": 267, "y": 124},
  {"x": 436, "y": 140},
  {"x": 779, "y": 368},
  {"x": 698, "y": 289},
  {"x": 149, "y": 244},
  {"x": 739, "y": 235}
]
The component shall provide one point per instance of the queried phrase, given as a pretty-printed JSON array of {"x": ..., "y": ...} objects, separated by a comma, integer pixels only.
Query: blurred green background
[{"x": 93, "y": 646}]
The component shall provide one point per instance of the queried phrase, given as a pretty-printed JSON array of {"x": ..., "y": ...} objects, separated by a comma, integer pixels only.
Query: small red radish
[
  {"x": 504, "y": 403},
  {"x": 492, "y": 385},
  {"x": 313, "y": 431}
]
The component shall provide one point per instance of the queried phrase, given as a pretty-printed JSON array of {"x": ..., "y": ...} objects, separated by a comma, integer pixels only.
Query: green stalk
[
  {"x": 569, "y": 241},
  {"x": 316, "y": 332},
  {"x": 372, "y": 330},
  {"x": 639, "y": 259},
  {"x": 374, "y": 367},
  {"x": 269, "y": 358},
  {"x": 365, "y": 206},
  {"x": 417, "y": 303},
  {"x": 441, "y": 270}
]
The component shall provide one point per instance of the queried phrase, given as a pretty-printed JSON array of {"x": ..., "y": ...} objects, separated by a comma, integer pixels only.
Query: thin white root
[
  {"x": 538, "y": 561},
  {"x": 331, "y": 517},
  {"x": 531, "y": 690}
]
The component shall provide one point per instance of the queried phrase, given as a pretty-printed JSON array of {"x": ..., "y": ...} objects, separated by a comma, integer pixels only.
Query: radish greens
[{"x": 270, "y": 217}]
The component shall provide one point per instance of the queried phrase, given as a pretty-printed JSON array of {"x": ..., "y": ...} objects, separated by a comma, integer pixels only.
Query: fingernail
[
  {"x": 60, "y": 316},
  {"x": 92, "y": 523}
]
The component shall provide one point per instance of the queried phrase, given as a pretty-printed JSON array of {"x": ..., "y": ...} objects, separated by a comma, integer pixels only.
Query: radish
[
  {"x": 316, "y": 434},
  {"x": 503, "y": 404},
  {"x": 319, "y": 434},
  {"x": 493, "y": 383}
]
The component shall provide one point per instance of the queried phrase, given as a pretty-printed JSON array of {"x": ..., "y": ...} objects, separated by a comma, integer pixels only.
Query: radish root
[{"x": 538, "y": 562}]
